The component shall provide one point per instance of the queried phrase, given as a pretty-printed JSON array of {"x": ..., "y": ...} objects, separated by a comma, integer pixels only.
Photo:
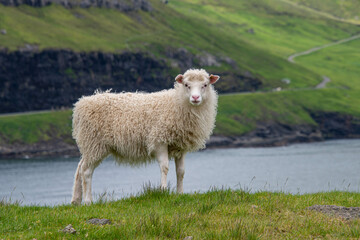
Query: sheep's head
[{"x": 196, "y": 84}]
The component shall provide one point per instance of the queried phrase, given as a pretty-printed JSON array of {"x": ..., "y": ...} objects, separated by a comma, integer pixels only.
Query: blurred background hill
[{"x": 53, "y": 52}]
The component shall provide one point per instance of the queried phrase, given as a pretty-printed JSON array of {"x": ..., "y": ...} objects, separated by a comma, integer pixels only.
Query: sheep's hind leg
[
  {"x": 161, "y": 154},
  {"x": 77, "y": 188},
  {"x": 86, "y": 175},
  {"x": 180, "y": 171},
  {"x": 87, "y": 169}
]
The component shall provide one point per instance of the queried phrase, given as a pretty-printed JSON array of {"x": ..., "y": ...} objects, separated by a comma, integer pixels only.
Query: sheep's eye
[
  {"x": 205, "y": 85},
  {"x": 186, "y": 85}
]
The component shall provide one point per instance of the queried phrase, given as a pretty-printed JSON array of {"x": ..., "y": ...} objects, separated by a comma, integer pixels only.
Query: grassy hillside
[
  {"x": 32, "y": 128},
  {"x": 259, "y": 35},
  {"x": 219, "y": 28},
  {"x": 218, "y": 214},
  {"x": 341, "y": 62},
  {"x": 348, "y": 10}
]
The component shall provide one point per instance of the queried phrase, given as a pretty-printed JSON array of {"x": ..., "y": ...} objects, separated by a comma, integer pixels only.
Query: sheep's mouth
[{"x": 195, "y": 102}]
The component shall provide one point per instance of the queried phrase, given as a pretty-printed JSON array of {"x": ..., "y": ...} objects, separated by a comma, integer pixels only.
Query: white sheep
[{"x": 139, "y": 127}]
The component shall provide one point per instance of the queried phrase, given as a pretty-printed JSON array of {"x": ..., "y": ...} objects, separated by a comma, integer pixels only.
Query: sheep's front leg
[
  {"x": 163, "y": 159},
  {"x": 180, "y": 171}
]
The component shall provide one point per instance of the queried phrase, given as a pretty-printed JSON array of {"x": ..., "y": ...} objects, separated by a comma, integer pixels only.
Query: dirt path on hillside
[
  {"x": 291, "y": 58},
  {"x": 323, "y": 83},
  {"x": 325, "y": 78}
]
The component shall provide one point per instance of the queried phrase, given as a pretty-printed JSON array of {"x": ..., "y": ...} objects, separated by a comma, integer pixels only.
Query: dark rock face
[
  {"x": 55, "y": 78},
  {"x": 231, "y": 81},
  {"x": 268, "y": 135},
  {"x": 122, "y": 5},
  {"x": 335, "y": 125},
  {"x": 36, "y": 80}
]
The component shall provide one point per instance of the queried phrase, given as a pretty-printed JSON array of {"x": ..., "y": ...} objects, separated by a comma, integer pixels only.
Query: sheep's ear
[
  {"x": 213, "y": 78},
  {"x": 179, "y": 78}
]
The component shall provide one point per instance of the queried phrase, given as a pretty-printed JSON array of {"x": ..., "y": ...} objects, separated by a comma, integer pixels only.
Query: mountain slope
[
  {"x": 109, "y": 30},
  {"x": 348, "y": 10},
  {"x": 251, "y": 38}
]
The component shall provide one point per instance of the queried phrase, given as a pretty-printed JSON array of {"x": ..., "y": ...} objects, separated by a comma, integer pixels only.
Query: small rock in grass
[
  {"x": 251, "y": 31},
  {"x": 68, "y": 229},
  {"x": 338, "y": 211},
  {"x": 98, "y": 221},
  {"x": 188, "y": 238},
  {"x": 3, "y": 31}
]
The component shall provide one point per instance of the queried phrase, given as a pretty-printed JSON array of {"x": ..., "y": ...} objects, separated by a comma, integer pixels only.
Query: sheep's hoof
[
  {"x": 87, "y": 203},
  {"x": 75, "y": 202}
]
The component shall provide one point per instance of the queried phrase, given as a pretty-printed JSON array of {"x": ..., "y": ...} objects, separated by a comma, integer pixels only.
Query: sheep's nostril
[{"x": 195, "y": 97}]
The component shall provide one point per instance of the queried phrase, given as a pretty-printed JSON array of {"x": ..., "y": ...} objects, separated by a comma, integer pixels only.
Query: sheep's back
[{"x": 119, "y": 122}]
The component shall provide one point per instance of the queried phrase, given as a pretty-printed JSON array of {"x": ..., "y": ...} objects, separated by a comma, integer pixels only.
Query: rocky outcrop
[
  {"x": 122, "y": 5},
  {"x": 50, "y": 79},
  {"x": 56, "y": 78},
  {"x": 330, "y": 125},
  {"x": 269, "y": 135},
  {"x": 51, "y": 148},
  {"x": 347, "y": 213},
  {"x": 334, "y": 125}
]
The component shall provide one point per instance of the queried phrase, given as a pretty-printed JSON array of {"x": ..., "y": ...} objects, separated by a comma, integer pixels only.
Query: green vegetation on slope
[
  {"x": 239, "y": 113},
  {"x": 218, "y": 214},
  {"x": 32, "y": 128},
  {"x": 340, "y": 62},
  {"x": 347, "y": 10},
  {"x": 221, "y": 29},
  {"x": 277, "y": 26},
  {"x": 259, "y": 35}
]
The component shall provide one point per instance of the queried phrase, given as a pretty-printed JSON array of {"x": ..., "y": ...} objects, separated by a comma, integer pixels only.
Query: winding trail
[
  {"x": 323, "y": 83},
  {"x": 291, "y": 58},
  {"x": 325, "y": 78}
]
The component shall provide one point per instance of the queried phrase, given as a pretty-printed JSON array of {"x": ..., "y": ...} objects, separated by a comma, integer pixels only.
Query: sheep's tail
[{"x": 75, "y": 122}]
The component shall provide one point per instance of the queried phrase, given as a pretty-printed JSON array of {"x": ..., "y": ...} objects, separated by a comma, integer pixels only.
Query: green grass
[
  {"x": 348, "y": 10},
  {"x": 279, "y": 28},
  {"x": 217, "y": 214},
  {"x": 32, "y": 128}
]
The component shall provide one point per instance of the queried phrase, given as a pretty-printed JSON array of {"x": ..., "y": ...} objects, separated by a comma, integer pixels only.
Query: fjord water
[{"x": 299, "y": 168}]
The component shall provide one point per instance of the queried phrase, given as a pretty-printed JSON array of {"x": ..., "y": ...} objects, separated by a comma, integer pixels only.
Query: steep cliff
[
  {"x": 57, "y": 78},
  {"x": 37, "y": 80},
  {"x": 122, "y": 5}
]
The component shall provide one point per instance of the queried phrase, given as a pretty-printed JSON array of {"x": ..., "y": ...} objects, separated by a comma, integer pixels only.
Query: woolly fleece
[{"x": 131, "y": 125}]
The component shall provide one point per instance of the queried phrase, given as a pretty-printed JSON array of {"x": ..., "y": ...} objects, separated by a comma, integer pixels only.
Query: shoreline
[
  {"x": 329, "y": 126},
  {"x": 59, "y": 149}
]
